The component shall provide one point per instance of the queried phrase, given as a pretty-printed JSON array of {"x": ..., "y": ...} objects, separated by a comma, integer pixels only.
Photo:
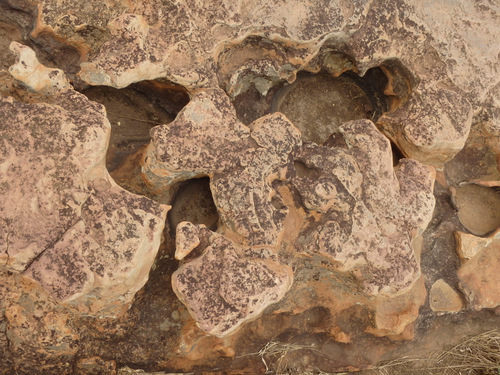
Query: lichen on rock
[{"x": 66, "y": 222}]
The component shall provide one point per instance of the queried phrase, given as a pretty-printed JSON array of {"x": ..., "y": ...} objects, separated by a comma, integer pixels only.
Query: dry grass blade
[
  {"x": 476, "y": 355},
  {"x": 280, "y": 350}
]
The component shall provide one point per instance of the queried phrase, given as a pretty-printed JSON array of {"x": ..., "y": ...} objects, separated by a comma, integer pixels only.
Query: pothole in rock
[
  {"x": 193, "y": 202},
  {"x": 132, "y": 112},
  {"x": 478, "y": 208},
  {"x": 319, "y": 104}
]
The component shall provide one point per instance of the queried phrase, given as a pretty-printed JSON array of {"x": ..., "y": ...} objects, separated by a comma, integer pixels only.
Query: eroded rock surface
[
  {"x": 227, "y": 284},
  {"x": 65, "y": 223},
  {"x": 357, "y": 209},
  {"x": 313, "y": 245}
]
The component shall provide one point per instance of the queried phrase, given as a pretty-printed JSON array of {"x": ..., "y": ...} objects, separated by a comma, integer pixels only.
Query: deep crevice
[
  {"x": 132, "y": 112},
  {"x": 193, "y": 202},
  {"x": 397, "y": 154},
  {"x": 319, "y": 103},
  {"x": 262, "y": 76}
]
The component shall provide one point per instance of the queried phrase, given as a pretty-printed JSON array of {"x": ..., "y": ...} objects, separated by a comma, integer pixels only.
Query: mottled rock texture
[
  {"x": 65, "y": 223},
  {"x": 227, "y": 284},
  {"x": 325, "y": 235}
]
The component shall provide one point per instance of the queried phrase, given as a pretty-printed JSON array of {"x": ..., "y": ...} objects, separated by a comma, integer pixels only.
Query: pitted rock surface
[
  {"x": 225, "y": 286},
  {"x": 65, "y": 223},
  {"x": 369, "y": 32},
  {"x": 367, "y": 212},
  {"x": 321, "y": 247},
  {"x": 371, "y": 211},
  {"x": 206, "y": 139}
]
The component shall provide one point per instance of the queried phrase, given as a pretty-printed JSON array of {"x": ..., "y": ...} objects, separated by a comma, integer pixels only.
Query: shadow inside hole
[
  {"x": 132, "y": 112},
  {"x": 193, "y": 202},
  {"x": 397, "y": 154},
  {"x": 303, "y": 171},
  {"x": 319, "y": 104}
]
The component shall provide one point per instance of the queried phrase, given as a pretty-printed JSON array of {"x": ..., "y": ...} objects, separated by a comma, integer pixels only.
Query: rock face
[
  {"x": 478, "y": 274},
  {"x": 224, "y": 286},
  {"x": 65, "y": 223},
  {"x": 310, "y": 135}
]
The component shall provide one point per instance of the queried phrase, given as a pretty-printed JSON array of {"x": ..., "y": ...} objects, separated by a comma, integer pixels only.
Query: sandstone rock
[
  {"x": 207, "y": 139},
  {"x": 226, "y": 285},
  {"x": 65, "y": 222},
  {"x": 34, "y": 75},
  {"x": 371, "y": 211},
  {"x": 478, "y": 162},
  {"x": 468, "y": 245},
  {"x": 292, "y": 43},
  {"x": 444, "y": 299},
  {"x": 339, "y": 214},
  {"x": 37, "y": 328},
  {"x": 82, "y": 26},
  {"x": 428, "y": 133},
  {"x": 479, "y": 275},
  {"x": 394, "y": 316},
  {"x": 346, "y": 189}
]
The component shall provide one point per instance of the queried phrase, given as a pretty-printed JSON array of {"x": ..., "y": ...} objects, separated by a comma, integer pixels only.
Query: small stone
[
  {"x": 444, "y": 299},
  {"x": 34, "y": 75},
  {"x": 478, "y": 208}
]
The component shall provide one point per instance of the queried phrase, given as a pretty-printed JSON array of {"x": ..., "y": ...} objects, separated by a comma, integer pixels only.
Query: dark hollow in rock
[
  {"x": 132, "y": 112},
  {"x": 319, "y": 104},
  {"x": 478, "y": 208},
  {"x": 17, "y": 23},
  {"x": 193, "y": 202},
  {"x": 397, "y": 154}
]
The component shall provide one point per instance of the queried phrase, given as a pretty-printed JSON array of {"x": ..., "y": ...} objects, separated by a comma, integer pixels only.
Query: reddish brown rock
[
  {"x": 228, "y": 285},
  {"x": 468, "y": 245},
  {"x": 394, "y": 316},
  {"x": 38, "y": 329},
  {"x": 479, "y": 276},
  {"x": 66, "y": 224}
]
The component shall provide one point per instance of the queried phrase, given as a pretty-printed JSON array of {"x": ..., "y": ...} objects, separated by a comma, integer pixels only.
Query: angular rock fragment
[
  {"x": 224, "y": 287},
  {"x": 479, "y": 276},
  {"x": 34, "y": 75},
  {"x": 393, "y": 316},
  {"x": 444, "y": 299},
  {"x": 65, "y": 223}
]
